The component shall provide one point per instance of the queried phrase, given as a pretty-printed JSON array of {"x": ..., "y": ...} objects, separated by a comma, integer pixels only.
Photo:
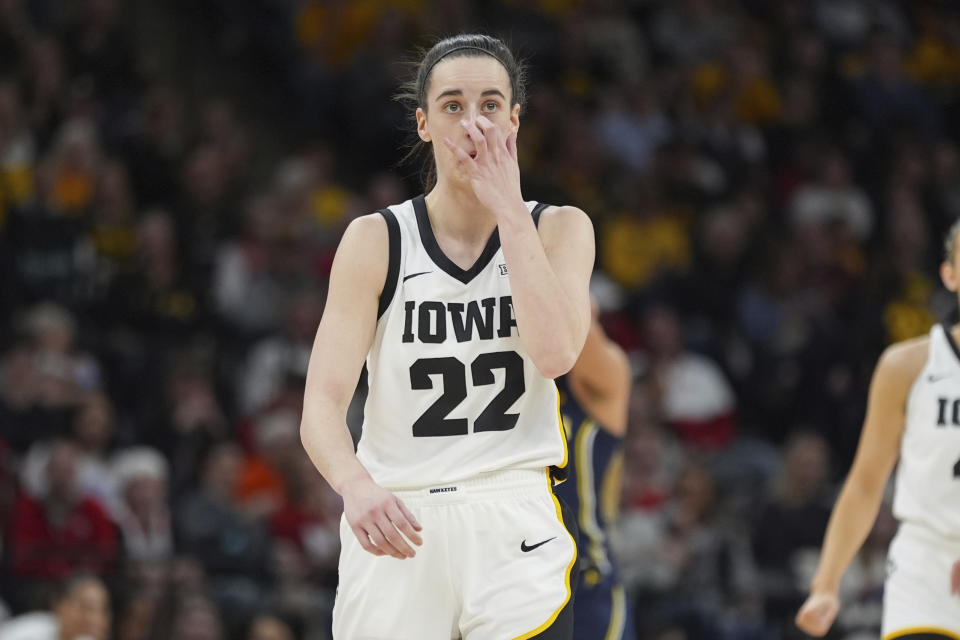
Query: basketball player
[
  {"x": 465, "y": 303},
  {"x": 913, "y": 409},
  {"x": 594, "y": 398}
]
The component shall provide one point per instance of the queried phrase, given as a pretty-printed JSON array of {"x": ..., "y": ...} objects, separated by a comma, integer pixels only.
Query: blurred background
[{"x": 770, "y": 181}]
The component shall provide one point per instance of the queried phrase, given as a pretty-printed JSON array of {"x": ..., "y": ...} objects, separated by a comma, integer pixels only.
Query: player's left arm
[
  {"x": 602, "y": 372},
  {"x": 550, "y": 280},
  {"x": 859, "y": 501}
]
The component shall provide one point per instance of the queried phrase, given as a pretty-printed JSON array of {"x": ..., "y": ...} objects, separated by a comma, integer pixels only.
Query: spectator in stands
[
  {"x": 18, "y": 150},
  {"x": 234, "y": 548},
  {"x": 267, "y": 627},
  {"x": 159, "y": 298},
  {"x": 60, "y": 531},
  {"x": 886, "y": 96},
  {"x": 45, "y": 82},
  {"x": 789, "y": 526},
  {"x": 833, "y": 198},
  {"x": 694, "y": 396},
  {"x": 91, "y": 431},
  {"x": 140, "y": 476},
  {"x": 703, "y": 572},
  {"x": 196, "y": 618},
  {"x": 68, "y": 175},
  {"x": 692, "y": 31},
  {"x": 137, "y": 618},
  {"x": 98, "y": 48},
  {"x": 63, "y": 366},
  {"x": 189, "y": 420},
  {"x": 154, "y": 147},
  {"x": 307, "y": 535},
  {"x": 248, "y": 294},
  {"x": 113, "y": 226},
  {"x": 262, "y": 487},
  {"x": 80, "y": 609},
  {"x": 274, "y": 359},
  {"x": 21, "y": 420}
]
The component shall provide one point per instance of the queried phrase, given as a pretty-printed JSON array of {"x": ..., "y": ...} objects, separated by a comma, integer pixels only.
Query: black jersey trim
[
  {"x": 951, "y": 341},
  {"x": 393, "y": 269},
  {"x": 537, "y": 210},
  {"x": 439, "y": 258}
]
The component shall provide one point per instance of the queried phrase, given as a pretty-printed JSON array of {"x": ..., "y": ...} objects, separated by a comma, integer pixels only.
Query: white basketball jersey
[
  {"x": 928, "y": 477},
  {"x": 452, "y": 391}
]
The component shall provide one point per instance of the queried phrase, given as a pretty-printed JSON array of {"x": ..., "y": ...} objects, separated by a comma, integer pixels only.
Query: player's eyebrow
[{"x": 458, "y": 92}]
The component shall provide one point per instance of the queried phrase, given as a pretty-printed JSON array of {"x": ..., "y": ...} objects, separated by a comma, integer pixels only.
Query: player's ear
[
  {"x": 515, "y": 118},
  {"x": 950, "y": 277},
  {"x": 422, "y": 125}
]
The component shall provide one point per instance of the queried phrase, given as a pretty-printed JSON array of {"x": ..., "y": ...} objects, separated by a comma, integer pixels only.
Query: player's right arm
[
  {"x": 859, "y": 501},
  {"x": 343, "y": 340},
  {"x": 602, "y": 375}
]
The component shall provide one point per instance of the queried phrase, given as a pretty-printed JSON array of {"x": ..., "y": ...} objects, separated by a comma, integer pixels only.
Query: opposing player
[
  {"x": 913, "y": 409},
  {"x": 465, "y": 304},
  {"x": 594, "y": 398}
]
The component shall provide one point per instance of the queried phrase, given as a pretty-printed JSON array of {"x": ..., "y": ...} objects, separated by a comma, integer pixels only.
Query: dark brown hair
[
  {"x": 950, "y": 244},
  {"x": 414, "y": 92}
]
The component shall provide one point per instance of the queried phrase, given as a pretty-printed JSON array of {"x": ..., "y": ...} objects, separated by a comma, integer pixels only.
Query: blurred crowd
[{"x": 769, "y": 182}]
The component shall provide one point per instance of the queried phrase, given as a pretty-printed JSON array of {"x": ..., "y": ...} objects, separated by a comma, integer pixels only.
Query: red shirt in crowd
[{"x": 86, "y": 540}]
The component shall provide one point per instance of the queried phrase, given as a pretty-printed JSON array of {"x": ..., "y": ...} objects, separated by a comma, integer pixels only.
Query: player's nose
[{"x": 472, "y": 114}]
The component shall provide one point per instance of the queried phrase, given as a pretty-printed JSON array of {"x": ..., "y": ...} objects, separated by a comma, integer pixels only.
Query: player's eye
[
  {"x": 452, "y": 107},
  {"x": 490, "y": 107}
]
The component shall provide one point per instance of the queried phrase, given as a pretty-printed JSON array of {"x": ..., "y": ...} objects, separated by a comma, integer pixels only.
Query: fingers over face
[
  {"x": 459, "y": 153},
  {"x": 477, "y": 136},
  {"x": 492, "y": 133},
  {"x": 512, "y": 144}
]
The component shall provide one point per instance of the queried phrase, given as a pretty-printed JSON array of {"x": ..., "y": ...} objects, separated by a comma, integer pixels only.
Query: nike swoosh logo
[
  {"x": 414, "y": 275},
  {"x": 933, "y": 378},
  {"x": 525, "y": 548}
]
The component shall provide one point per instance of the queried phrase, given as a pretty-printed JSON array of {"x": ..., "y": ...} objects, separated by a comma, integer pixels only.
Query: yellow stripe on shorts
[
  {"x": 906, "y": 632},
  {"x": 566, "y": 576}
]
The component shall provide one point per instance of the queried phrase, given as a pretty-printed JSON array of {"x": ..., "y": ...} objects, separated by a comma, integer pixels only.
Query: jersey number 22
[{"x": 434, "y": 421}]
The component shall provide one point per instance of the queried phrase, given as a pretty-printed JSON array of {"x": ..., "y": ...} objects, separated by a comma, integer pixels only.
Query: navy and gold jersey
[{"x": 592, "y": 489}]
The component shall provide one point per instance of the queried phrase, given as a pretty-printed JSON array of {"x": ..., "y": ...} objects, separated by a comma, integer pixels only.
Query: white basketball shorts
[
  {"x": 495, "y": 564},
  {"x": 917, "y": 602}
]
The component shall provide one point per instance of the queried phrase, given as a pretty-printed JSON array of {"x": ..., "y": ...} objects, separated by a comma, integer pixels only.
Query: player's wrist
[
  {"x": 512, "y": 212},
  {"x": 825, "y": 585},
  {"x": 351, "y": 480}
]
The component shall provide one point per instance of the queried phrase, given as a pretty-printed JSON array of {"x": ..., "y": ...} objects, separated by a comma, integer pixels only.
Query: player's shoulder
[
  {"x": 364, "y": 250},
  {"x": 563, "y": 224},
  {"x": 366, "y": 234},
  {"x": 903, "y": 361},
  {"x": 564, "y": 215},
  {"x": 370, "y": 226}
]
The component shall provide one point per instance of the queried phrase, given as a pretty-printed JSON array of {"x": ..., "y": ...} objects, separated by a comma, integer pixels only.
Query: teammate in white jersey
[
  {"x": 913, "y": 411},
  {"x": 465, "y": 303}
]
